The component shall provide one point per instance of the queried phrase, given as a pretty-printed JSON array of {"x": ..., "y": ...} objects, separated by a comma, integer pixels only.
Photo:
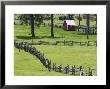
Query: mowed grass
[
  {"x": 72, "y": 55},
  {"x": 26, "y": 64},
  {"x": 22, "y": 32}
]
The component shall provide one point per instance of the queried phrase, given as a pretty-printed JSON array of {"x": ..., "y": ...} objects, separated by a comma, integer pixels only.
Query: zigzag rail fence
[
  {"x": 69, "y": 70},
  {"x": 64, "y": 43}
]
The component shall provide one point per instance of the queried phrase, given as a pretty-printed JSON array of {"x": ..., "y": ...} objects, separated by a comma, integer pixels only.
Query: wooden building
[{"x": 69, "y": 25}]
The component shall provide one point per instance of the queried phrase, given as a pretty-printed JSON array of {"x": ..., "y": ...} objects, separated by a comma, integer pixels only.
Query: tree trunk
[
  {"x": 32, "y": 25},
  {"x": 96, "y": 19},
  {"x": 79, "y": 22},
  {"x": 52, "y": 33},
  {"x": 87, "y": 27},
  {"x": 96, "y": 22}
]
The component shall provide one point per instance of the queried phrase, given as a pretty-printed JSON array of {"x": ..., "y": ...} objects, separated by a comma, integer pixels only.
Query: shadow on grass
[
  {"x": 37, "y": 37},
  {"x": 85, "y": 33}
]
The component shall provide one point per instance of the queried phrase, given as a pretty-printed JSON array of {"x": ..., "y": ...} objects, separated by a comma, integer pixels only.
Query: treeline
[{"x": 37, "y": 19}]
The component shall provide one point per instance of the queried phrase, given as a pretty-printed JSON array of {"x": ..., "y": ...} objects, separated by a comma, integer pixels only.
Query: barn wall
[
  {"x": 71, "y": 28},
  {"x": 65, "y": 26}
]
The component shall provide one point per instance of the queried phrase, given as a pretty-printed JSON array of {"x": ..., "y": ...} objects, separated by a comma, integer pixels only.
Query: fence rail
[
  {"x": 65, "y": 43},
  {"x": 69, "y": 70}
]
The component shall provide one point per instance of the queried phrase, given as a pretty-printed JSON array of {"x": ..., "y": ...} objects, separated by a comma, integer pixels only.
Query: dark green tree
[
  {"x": 70, "y": 17},
  {"x": 79, "y": 18},
  {"x": 87, "y": 25},
  {"x": 24, "y": 19},
  {"x": 96, "y": 20},
  {"x": 31, "y": 19},
  {"x": 52, "y": 32},
  {"x": 95, "y": 27},
  {"x": 32, "y": 24},
  {"x": 38, "y": 19}
]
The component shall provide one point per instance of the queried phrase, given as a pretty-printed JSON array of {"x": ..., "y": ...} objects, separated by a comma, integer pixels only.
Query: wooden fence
[
  {"x": 69, "y": 70},
  {"x": 65, "y": 43}
]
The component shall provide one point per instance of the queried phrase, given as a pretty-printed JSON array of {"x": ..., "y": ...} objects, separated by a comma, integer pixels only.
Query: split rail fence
[
  {"x": 65, "y": 43},
  {"x": 69, "y": 70}
]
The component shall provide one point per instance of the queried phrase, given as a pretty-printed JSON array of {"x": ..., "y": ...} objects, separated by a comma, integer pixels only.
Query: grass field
[
  {"x": 72, "y": 55},
  {"x": 26, "y": 64},
  {"x": 43, "y": 33}
]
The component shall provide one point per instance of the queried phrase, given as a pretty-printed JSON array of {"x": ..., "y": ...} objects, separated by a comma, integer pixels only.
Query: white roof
[{"x": 70, "y": 22}]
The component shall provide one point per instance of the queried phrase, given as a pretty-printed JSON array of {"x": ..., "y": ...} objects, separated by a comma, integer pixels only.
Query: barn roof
[{"x": 70, "y": 22}]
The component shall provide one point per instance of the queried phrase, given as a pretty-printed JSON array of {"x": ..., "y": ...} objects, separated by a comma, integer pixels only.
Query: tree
[
  {"x": 52, "y": 32},
  {"x": 70, "y": 17},
  {"x": 79, "y": 18},
  {"x": 32, "y": 25},
  {"x": 38, "y": 19},
  {"x": 96, "y": 20},
  {"x": 95, "y": 26},
  {"x": 87, "y": 25},
  {"x": 26, "y": 19}
]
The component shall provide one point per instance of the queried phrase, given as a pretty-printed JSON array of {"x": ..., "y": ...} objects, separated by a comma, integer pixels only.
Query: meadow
[
  {"x": 26, "y": 64},
  {"x": 23, "y": 32}
]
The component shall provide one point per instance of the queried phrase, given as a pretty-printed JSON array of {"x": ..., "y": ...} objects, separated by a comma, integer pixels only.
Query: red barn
[{"x": 69, "y": 25}]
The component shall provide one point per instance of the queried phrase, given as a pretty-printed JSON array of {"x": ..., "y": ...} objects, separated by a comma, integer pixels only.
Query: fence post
[
  {"x": 49, "y": 65},
  {"x": 73, "y": 70},
  {"x": 88, "y": 43},
  {"x": 60, "y": 68},
  {"x": 44, "y": 61},
  {"x": 64, "y": 42},
  {"x": 67, "y": 69},
  {"x": 90, "y": 72},
  {"x": 80, "y": 71},
  {"x": 56, "y": 43},
  {"x": 72, "y": 43},
  {"x": 53, "y": 66},
  {"x": 19, "y": 46}
]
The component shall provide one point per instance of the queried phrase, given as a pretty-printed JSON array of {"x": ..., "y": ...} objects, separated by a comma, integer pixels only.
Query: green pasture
[
  {"x": 23, "y": 32},
  {"x": 27, "y": 64},
  {"x": 72, "y": 55}
]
